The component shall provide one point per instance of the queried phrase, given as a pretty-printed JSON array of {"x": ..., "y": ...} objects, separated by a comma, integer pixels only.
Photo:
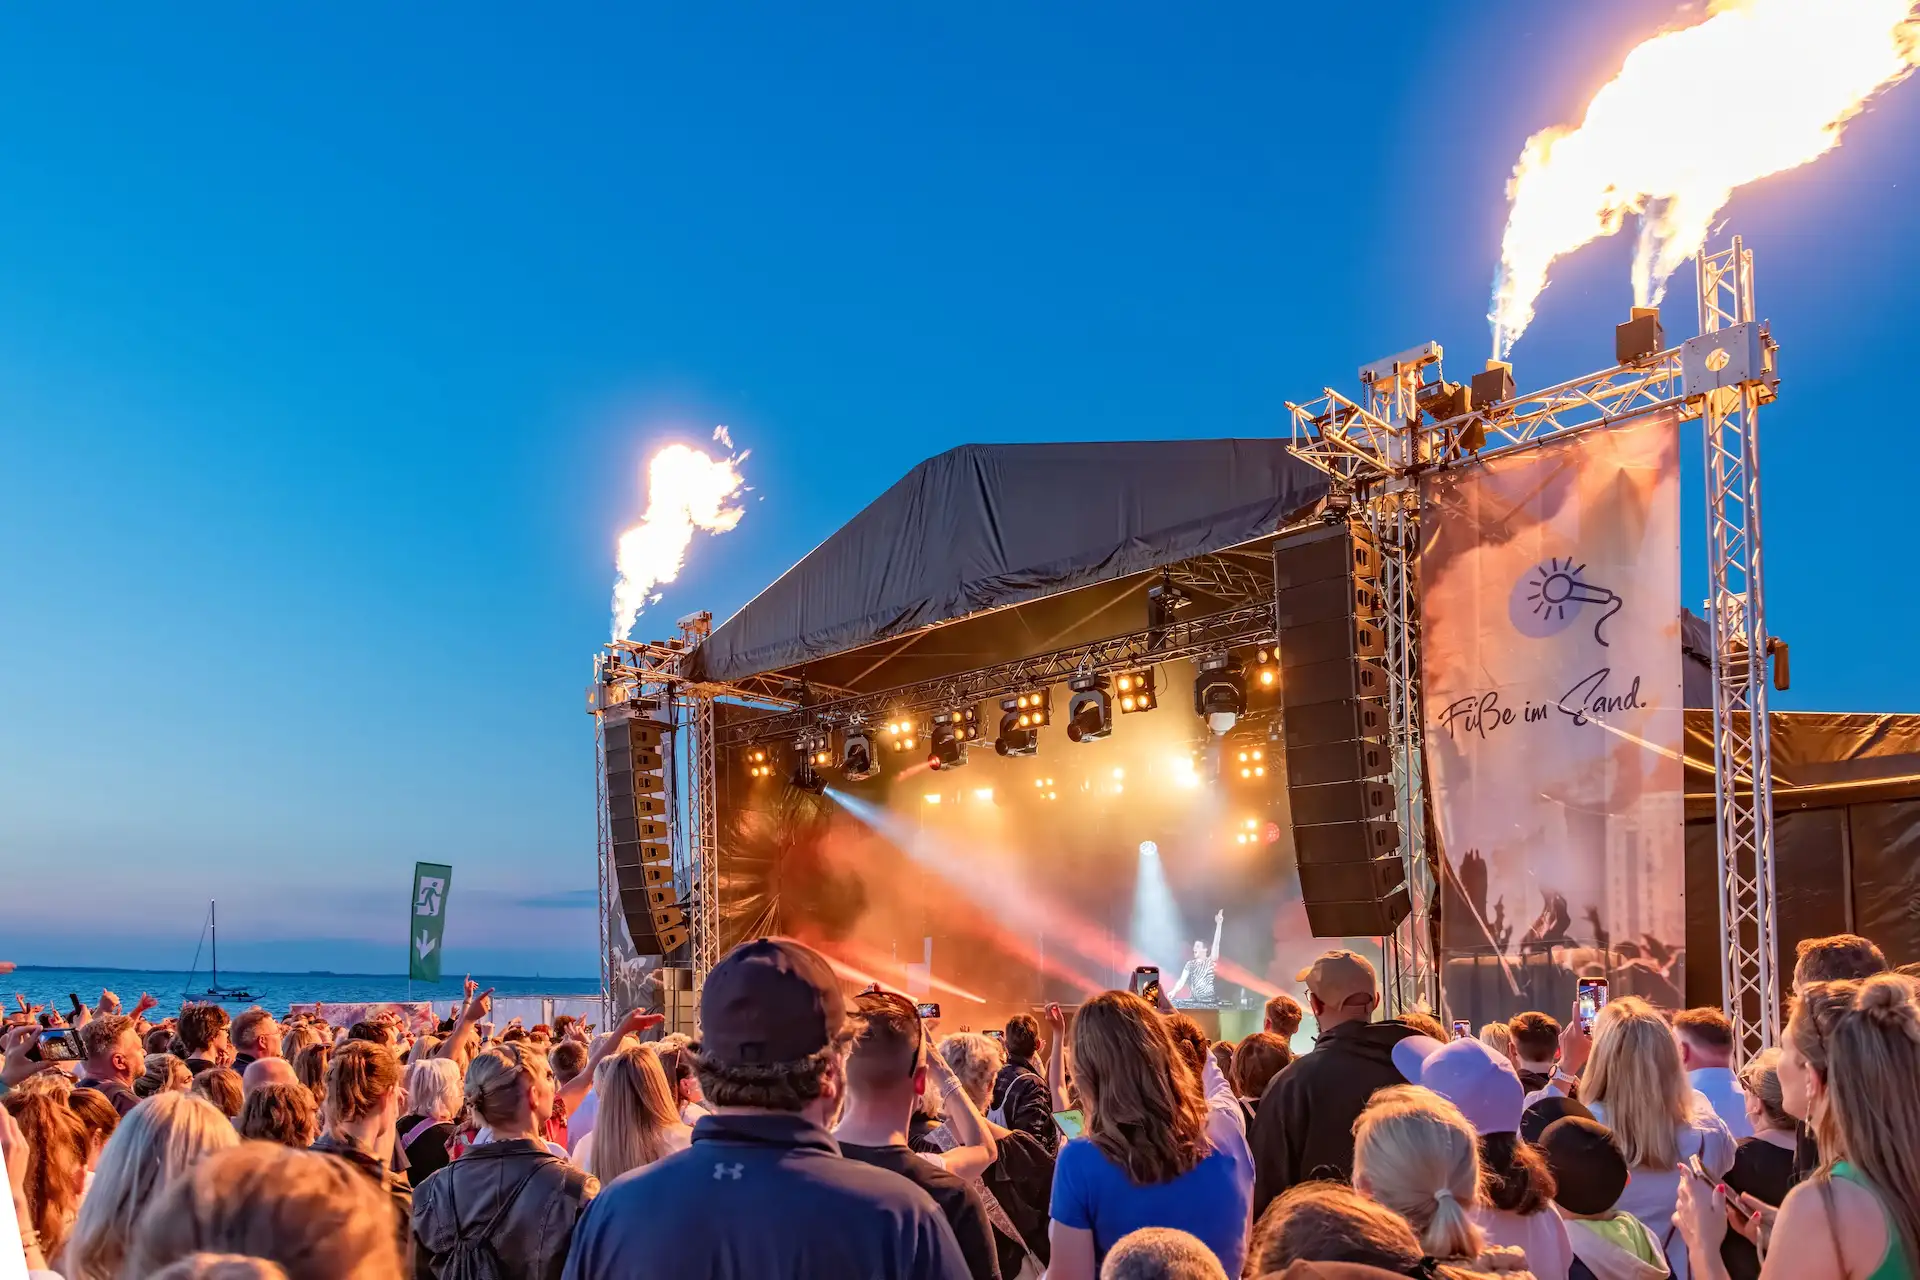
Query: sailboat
[{"x": 211, "y": 931}]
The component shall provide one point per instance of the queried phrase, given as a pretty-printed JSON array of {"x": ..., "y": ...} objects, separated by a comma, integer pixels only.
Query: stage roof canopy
[{"x": 984, "y": 527}]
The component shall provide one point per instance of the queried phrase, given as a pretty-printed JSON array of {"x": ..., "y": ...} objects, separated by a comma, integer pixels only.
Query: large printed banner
[{"x": 1550, "y": 584}]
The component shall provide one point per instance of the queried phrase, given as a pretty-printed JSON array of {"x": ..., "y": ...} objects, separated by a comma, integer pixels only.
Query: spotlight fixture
[
  {"x": 816, "y": 748},
  {"x": 1090, "y": 710},
  {"x": 856, "y": 756},
  {"x": 1250, "y": 762},
  {"x": 806, "y": 778},
  {"x": 947, "y": 744},
  {"x": 1137, "y": 691},
  {"x": 1034, "y": 709},
  {"x": 1265, "y": 676},
  {"x": 1248, "y": 832},
  {"x": 1219, "y": 692},
  {"x": 758, "y": 763},
  {"x": 1017, "y": 734},
  {"x": 902, "y": 734},
  {"x": 1044, "y": 788}
]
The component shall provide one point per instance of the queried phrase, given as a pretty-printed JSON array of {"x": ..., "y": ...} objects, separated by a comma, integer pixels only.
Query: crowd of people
[{"x": 812, "y": 1133}]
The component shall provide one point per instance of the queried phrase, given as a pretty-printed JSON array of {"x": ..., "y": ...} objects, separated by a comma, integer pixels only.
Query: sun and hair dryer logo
[{"x": 1554, "y": 595}]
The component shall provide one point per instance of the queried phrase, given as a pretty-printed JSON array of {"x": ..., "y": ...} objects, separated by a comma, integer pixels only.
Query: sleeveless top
[{"x": 1893, "y": 1264}]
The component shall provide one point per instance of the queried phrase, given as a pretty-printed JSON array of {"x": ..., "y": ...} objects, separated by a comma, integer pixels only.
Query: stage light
[
  {"x": 1148, "y": 849},
  {"x": 902, "y": 734},
  {"x": 1219, "y": 692},
  {"x": 1136, "y": 690},
  {"x": 931, "y": 797},
  {"x": 1090, "y": 710},
  {"x": 1185, "y": 773},
  {"x": 1249, "y": 832},
  {"x": 1251, "y": 762},
  {"x": 1033, "y": 709},
  {"x": 1266, "y": 670},
  {"x": 805, "y": 778},
  {"x": 983, "y": 793},
  {"x": 856, "y": 756},
  {"x": 947, "y": 743},
  {"x": 759, "y": 763},
  {"x": 1017, "y": 736}
]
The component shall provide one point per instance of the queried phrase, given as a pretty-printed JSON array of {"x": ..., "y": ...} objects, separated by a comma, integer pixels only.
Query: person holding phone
[
  {"x": 1196, "y": 977},
  {"x": 1020, "y": 1094}
]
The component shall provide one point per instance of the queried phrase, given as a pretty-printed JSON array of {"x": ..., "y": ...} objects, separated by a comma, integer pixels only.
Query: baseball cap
[
  {"x": 1468, "y": 1074},
  {"x": 770, "y": 1000},
  {"x": 1589, "y": 1173},
  {"x": 1339, "y": 975}
]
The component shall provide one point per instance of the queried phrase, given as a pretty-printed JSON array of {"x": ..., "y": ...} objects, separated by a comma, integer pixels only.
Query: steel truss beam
[
  {"x": 1742, "y": 738},
  {"x": 1183, "y": 638}
]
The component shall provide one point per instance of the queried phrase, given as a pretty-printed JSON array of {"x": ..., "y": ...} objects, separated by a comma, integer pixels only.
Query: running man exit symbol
[{"x": 431, "y": 883}]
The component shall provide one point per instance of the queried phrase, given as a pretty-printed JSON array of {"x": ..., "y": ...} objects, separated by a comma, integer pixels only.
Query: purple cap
[
  {"x": 1471, "y": 1076},
  {"x": 770, "y": 1000}
]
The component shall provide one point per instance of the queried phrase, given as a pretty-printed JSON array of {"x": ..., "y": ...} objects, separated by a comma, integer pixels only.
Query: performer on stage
[{"x": 1196, "y": 977}]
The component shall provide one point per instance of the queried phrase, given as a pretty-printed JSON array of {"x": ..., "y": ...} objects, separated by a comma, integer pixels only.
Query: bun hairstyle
[
  {"x": 1418, "y": 1156},
  {"x": 220, "y": 1266},
  {"x": 1863, "y": 1040},
  {"x": 1760, "y": 1079},
  {"x": 492, "y": 1090},
  {"x": 359, "y": 1080}
]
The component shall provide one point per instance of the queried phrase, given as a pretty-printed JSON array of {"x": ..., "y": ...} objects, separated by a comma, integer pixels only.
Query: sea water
[{"x": 274, "y": 991}]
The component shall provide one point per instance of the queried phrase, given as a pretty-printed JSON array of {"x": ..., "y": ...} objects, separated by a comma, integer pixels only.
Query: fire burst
[
  {"x": 1806, "y": 68},
  {"x": 686, "y": 490}
]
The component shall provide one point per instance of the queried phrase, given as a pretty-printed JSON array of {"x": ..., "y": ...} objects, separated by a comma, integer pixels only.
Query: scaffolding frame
[{"x": 1375, "y": 454}]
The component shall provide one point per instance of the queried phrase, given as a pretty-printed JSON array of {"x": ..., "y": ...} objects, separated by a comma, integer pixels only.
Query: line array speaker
[
  {"x": 1327, "y": 615},
  {"x": 636, "y": 781}
]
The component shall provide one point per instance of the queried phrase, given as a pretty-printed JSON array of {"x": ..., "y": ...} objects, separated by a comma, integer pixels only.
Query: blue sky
[{"x": 331, "y": 343}]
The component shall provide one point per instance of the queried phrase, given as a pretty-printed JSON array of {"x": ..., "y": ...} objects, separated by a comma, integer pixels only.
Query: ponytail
[{"x": 1417, "y": 1155}]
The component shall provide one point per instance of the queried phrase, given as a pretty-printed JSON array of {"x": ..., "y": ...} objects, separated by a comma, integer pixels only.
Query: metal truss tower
[
  {"x": 1736, "y": 612},
  {"x": 1375, "y": 453}
]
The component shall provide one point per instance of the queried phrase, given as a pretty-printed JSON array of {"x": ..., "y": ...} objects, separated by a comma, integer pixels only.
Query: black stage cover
[{"x": 989, "y": 525}]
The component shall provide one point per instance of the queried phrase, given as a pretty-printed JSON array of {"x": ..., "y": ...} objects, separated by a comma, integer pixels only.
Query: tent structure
[{"x": 984, "y": 528}]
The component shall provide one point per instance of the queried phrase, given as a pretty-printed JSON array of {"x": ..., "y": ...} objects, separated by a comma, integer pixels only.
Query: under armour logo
[{"x": 734, "y": 1171}]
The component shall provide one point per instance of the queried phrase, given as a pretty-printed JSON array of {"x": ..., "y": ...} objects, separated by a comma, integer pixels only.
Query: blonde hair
[
  {"x": 976, "y": 1060},
  {"x": 433, "y": 1089},
  {"x": 221, "y": 1087},
  {"x": 1331, "y": 1222},
  {"x": 1760, "y": 1079},
  {"x": 314, "y": 1217},
  {"x": 1497, "y": 1037},
  {"x": 1635, "y": 1074},
  {"x": 636, "y": 1113},
  {"x": 164, "y": 1074},
  {"x": 295, "y": 1038},
  {"x": 155, "y": 1143},
  {"x": 1417, "y": 1155},
  {"x": 1144, "y": 1108},
  {"x": 1863, "y": 1038},
  {"x": 56, "y": 1159},
  {"x": 492, "y": 1087}
]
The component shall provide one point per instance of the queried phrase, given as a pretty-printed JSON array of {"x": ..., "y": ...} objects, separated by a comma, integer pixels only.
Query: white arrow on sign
[{"x": 424, "y": 944}]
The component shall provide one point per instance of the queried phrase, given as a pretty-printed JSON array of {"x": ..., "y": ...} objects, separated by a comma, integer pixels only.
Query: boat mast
[{"x": 213, "y": 923}]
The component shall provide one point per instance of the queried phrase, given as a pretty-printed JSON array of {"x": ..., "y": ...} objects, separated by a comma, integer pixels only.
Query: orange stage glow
[{"x": 896, "y": 972}]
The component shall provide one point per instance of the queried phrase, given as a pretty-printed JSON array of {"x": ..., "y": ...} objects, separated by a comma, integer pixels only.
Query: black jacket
[
  {"x": 1304, "y": 1128},
  {"x": 531, "y": 1197},
  {"x": 1021, "y": 1096},
  {"x": 762, "y": 1197}
]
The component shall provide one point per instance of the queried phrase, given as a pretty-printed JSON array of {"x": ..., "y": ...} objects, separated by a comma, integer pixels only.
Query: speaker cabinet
[{"x": 636, "y": 786}]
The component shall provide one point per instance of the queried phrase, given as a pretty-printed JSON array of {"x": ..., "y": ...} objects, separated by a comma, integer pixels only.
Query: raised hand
[
  {"x": 1056, "y": 1019},
  {"x": 109, "y": 1003},
  {"x": 1220, "y": 916},
  {"x": 17, "y": 1065},
  {"x": 1575, "y": 1044},
  {"x": 636, "y": 1021}
]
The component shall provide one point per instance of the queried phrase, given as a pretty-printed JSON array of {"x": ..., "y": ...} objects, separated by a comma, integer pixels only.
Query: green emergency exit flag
[{"x": 431, "y": 882}]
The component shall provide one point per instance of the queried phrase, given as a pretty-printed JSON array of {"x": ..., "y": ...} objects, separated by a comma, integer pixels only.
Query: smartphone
[
  {"x": 999, "y": 1036},
  {"x": 1462, "y": 1029},
  {"x": 1145, "y": 974},
  {"x": 75, "y": 1008},
  {"x": 1697, "y": 1169},
  {"x": 1592, "y": 996},
  {"x": 928, "y": 1010},
  {"x": 59, "y": 1045},
  {"x": 1071, "y": 1123}
]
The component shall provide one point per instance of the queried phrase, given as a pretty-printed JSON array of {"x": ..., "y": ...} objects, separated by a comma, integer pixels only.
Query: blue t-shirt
[{"x": 1211, "y": 1201}]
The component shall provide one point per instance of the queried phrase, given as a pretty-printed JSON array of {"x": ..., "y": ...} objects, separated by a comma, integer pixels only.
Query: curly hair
[
  {"x": 1283, "y": 1015},
  {"x": 1143, "y": 1105},
  {"x": 1256, "y": 1061},
  {"x": 315, "y": 1217},
  {"x": 282, "y": 1113},
  {"x": 56, "y": 1159}
]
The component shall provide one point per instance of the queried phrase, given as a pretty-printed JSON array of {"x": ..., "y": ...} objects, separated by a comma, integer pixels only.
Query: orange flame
[{"x": 686, "y": 491}]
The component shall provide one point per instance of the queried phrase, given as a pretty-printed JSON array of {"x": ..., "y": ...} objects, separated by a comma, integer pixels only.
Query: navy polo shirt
[{"x": 763, "y": 1197}]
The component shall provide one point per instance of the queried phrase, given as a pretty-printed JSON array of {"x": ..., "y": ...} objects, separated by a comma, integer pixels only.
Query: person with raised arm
[{"x": 1196, "y": 977}]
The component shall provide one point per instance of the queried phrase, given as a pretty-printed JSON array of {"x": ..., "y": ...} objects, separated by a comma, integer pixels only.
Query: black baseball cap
[
  {"x": 770, "y": 1000},
  {"x": 1535, "y": 1119},
  {"x": 1589, "y": 1173}
]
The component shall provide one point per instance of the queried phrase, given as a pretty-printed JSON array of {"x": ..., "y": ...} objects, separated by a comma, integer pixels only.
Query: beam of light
[
  {"x": 686, "y": 491},
  {"x": 989, "y": 878},
  {"x": 872, "y": 958},
  {"x": 1664, "y": 140},
  {"x": 1154, "y": 928},
  {"x": 859, "y": 977}
]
